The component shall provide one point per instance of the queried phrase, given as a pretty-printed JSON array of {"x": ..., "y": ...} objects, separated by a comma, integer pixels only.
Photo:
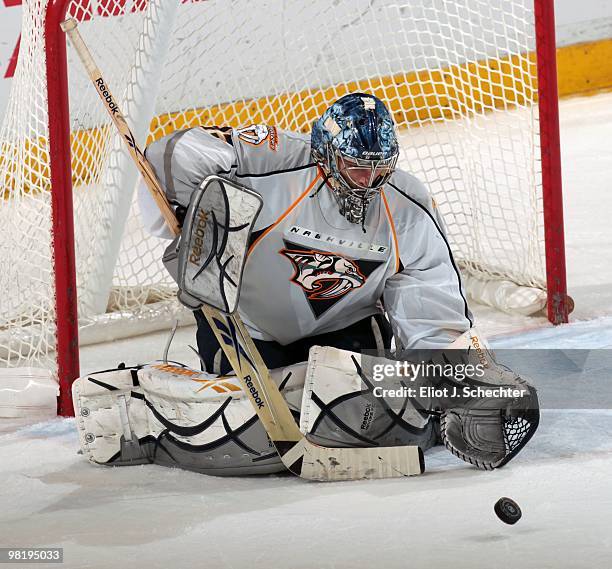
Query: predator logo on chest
[{"x": 326, "y": 277}]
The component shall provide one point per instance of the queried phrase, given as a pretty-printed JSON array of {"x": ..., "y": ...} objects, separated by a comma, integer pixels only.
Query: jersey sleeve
[
  {"x": 265, "y": 150},
  {"x": 182, "y": 160},
  {"x": 425, "y": 299}
]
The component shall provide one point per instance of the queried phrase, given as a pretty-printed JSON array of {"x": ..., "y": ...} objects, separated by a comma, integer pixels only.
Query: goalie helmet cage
[{"x": 471, "y": 84}]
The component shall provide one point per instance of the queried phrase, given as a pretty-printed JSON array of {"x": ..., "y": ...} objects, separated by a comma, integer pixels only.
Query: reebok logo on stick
[{"x": 107, "y": 96}]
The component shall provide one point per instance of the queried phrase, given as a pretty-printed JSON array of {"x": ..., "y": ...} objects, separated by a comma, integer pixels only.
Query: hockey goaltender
[{"x": 347, "y": 270}]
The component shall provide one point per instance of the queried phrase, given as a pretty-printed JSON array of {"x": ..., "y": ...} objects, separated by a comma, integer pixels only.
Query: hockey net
[{"x": 459, "y": 76}]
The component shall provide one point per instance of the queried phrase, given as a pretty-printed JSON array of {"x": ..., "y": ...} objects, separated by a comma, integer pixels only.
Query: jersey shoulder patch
[
  {"x": 266, "y": 150},
  {"x": 258, "y": 135}
]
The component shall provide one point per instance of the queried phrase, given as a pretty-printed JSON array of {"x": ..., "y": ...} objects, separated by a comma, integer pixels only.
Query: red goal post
[
  {"x": 559, "y": 304},
  {"x": 435, "y": 100}
]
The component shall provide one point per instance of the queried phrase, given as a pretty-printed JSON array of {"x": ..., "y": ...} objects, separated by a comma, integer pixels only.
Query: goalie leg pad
[
  {"x": 111, "y": 417},
  {"x": 340, "y": 407},
  {"x": 171, "y": 415}
]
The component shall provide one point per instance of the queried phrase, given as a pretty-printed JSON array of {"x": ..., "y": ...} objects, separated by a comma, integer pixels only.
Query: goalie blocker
[{"x": 207, "y": 259}]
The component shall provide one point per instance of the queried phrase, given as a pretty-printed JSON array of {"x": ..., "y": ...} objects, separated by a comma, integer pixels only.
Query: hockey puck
[{"x": 507, "y": 511}]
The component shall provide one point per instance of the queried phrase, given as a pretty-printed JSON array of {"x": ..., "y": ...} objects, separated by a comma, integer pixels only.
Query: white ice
[{"x": 156, "y": 517}]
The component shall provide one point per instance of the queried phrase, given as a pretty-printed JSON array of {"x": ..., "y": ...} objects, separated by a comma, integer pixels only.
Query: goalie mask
[{"x": 354, "y": 142}]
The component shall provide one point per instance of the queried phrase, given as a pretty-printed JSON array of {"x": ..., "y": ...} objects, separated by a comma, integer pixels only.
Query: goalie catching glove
[{"x": 487, "y": 412}]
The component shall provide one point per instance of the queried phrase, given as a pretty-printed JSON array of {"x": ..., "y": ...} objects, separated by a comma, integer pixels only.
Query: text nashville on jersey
[{"x": 374, "y": 248}]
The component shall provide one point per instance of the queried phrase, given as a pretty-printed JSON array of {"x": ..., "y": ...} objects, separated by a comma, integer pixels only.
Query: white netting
[{"x": 459, "y": 76}]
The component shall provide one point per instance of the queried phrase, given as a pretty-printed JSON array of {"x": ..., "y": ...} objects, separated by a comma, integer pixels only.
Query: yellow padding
[
  {"x": 414, "y": 98},
  {"x": 585, "y": 68}
]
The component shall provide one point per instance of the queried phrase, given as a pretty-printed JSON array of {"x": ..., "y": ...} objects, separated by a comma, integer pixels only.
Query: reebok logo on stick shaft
[{"x": 106, "y": 96}]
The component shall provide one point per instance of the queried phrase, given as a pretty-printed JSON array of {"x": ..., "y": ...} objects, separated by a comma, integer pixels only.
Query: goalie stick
[{"x": 301, "y": 456}]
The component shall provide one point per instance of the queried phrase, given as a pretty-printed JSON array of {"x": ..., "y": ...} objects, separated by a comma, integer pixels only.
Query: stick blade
[{"x": 330, "y": 464}]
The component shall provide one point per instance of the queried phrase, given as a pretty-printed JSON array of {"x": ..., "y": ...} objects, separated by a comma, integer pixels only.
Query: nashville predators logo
[{"x": 326, "y": 277}]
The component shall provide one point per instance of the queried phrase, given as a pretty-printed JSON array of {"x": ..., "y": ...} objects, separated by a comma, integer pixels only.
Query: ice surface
[{"x": 155, "y": 517}]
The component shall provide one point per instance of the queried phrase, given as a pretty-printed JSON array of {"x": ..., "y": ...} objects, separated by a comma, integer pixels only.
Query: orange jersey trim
[
  {"x": 395, "y": 245},
  {"x": 285, "y": 214}
]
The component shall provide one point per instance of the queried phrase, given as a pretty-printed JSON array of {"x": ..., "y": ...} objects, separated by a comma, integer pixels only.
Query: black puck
[{"x": 508, "y": 511}]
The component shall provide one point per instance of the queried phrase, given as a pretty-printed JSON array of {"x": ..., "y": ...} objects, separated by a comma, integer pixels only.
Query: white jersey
[{"x": 309, "y": 270}]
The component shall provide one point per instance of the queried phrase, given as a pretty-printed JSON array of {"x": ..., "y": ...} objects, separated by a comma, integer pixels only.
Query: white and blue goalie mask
[{"x": 354, "y": 142}]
